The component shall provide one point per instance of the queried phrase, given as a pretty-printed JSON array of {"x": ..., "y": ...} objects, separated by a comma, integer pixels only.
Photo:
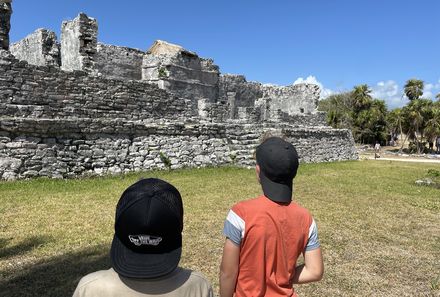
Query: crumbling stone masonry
[
  {"x": 39, "y": 48},
  {"x": 80, "y": 107},
  {"x": 181, "y": 72},
  {"x": 79, "y": 44},
  {"x": 119, "y": 62},
  {"x": 5, "y": 23}
]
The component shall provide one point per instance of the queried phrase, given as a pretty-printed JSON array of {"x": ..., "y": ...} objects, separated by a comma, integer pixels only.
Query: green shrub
[
  {"x": 233, "y": 158},
  {"x": 434, "y": 173},
  {"x": 163, "y": 72},
  {"x": 165, "y": 160}
]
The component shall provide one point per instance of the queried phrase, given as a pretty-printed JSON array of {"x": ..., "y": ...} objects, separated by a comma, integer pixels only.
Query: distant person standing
[
  {"x": 146, "y": 248},
  {"x": 377, "y": 150}
]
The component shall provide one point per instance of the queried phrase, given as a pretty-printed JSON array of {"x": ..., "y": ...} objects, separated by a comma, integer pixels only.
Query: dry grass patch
[{"x": 379, "y": 231}]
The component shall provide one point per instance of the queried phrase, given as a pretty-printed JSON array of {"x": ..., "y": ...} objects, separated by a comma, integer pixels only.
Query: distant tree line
[{"x": 370, "y": 121}]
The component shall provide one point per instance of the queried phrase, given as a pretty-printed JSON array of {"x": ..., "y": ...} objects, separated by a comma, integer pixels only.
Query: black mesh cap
[
  {"x": 278, "y": 161},
  {"x": 148, "y": 230}
]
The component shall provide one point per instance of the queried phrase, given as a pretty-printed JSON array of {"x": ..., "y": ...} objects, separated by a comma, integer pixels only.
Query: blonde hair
[
  {"x": 265, "y": 136},
  {"x": 268, "y": 134}
]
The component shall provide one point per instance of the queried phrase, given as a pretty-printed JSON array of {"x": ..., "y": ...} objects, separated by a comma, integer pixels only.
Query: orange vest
[{"x": 274, "y": 237}]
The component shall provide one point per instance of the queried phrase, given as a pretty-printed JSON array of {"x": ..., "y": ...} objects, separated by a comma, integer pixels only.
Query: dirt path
[
  {"x": 403, "y": 159},
  {"x": 389, "y": 154}
]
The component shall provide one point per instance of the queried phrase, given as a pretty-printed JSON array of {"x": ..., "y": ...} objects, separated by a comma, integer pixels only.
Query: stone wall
[
  {"x": 79, "y": 39},
  {"x": 65, "y": 124},
  {"x": 293, "y": 99},
  {"x": 5, "y": 23},
  {"x": 184, "y": 74},
  {"x": 238, "y": 92},
  {"x": 111, "y": 109},
  {"x": 270, "y": 102},
  {"x": 119, "y": 62},
  {"x": 181, "y": 72},
  {"x": 39, "y": 48},
  {"x": 90, "y": 147},
  {"x": 313, "y": 144},
  {"x": 317, "y": 119},
  {"x": 50, "y": 93},
  {"x": 71, "y": 148}
]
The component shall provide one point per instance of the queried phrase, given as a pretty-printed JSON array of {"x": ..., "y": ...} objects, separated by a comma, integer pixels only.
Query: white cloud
[
  {"x": 431, "y": 90},
  {"x": 428, "y": 87},
  {"x": 394, "y": 96},
  {"x": 312, "y": 80},
  {"x": 390, "y": 92},
  {"x": 309, "y": 80},
  {"x": 427, "y": 91}
]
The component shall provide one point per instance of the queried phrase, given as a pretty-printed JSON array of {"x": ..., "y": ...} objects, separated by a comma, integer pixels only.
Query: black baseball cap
[
  {"x": 278, "y": 161},
  {"x": 148, "y": 230}
]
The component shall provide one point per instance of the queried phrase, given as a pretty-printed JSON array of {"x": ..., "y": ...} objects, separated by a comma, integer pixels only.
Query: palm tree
[
  {"x": 413, "y": 120},
  {"x": 338, "y": 108},
  {"x": 432, "y": 130},
  {"x": 361, "y": 97},
  {"x": 379, "y": 124},
  {"x": 394, "y": 120},
  {"x": 416, "y": 115},
  {"x": 370, "y": 124},
  {"x": 414, "y": 89}
]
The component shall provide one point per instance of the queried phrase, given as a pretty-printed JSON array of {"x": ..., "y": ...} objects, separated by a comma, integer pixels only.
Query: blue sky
[{"x": 337, "y": 44}]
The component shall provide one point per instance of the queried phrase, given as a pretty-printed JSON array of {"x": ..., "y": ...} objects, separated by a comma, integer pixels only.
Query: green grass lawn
[{"x": 380, "y": 232}]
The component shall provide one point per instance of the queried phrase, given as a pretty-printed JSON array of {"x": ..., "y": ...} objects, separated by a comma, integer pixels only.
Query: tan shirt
[{"x": 179, "y": 283}]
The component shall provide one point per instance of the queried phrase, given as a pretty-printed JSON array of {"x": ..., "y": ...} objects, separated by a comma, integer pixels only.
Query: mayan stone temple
[{"x": 75, "y": 107}]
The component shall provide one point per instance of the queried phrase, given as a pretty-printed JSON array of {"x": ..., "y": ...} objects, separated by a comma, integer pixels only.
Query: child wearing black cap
[
  {"x": 265, "y": 236},
  {"x": 146, "y": 248}
]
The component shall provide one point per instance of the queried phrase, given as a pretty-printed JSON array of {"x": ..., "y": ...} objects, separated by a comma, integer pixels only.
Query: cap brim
[
  {"x": 136, "y": 265},
  {"x": 276, "y": 191}
]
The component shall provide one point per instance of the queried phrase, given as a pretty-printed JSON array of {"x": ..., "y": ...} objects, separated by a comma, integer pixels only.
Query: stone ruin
[
  {"x": 79, "y": 107},
  {"x": 5, "y": 23}
]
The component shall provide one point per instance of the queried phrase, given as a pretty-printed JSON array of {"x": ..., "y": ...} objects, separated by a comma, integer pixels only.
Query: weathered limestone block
[
  {"x": 119, "y": 62},
  {"x": 9, "y": 168},
  {"x": 70, "y": 95},
  {"x": 5, "y": 23},
  {"x": 39, "y": 48},
  {"x": 235, "y": 88},
  {"x": 256, "y": 102},
  {"x": 79, "y": 44},
  {"x": 180, "y": 71},
  {"x": 208, "y": 144},
  {"x": 317, "y": 119},
  {"x": 294, "y": 99}
]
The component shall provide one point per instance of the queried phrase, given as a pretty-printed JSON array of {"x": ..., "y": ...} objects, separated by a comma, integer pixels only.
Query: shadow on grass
[
  {"x": 394, "y": 150},
  {"x": 56, "y": 276},
  {"x": 22, "y": 247}
]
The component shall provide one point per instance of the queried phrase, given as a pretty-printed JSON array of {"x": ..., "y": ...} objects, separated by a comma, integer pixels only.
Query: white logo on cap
[{"x": 139, "y": 240}]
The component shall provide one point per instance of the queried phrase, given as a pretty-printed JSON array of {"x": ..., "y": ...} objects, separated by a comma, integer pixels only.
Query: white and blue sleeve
[
  {"x": 234, "y": 227},
  {"x": 313, "y": 241}
]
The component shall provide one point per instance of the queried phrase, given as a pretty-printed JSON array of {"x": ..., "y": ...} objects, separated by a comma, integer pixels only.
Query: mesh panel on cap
[
  {"x": 130, "y": 196},
  {"x": 169, "y": 195},
  {"x": 152, "y": 188}
]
